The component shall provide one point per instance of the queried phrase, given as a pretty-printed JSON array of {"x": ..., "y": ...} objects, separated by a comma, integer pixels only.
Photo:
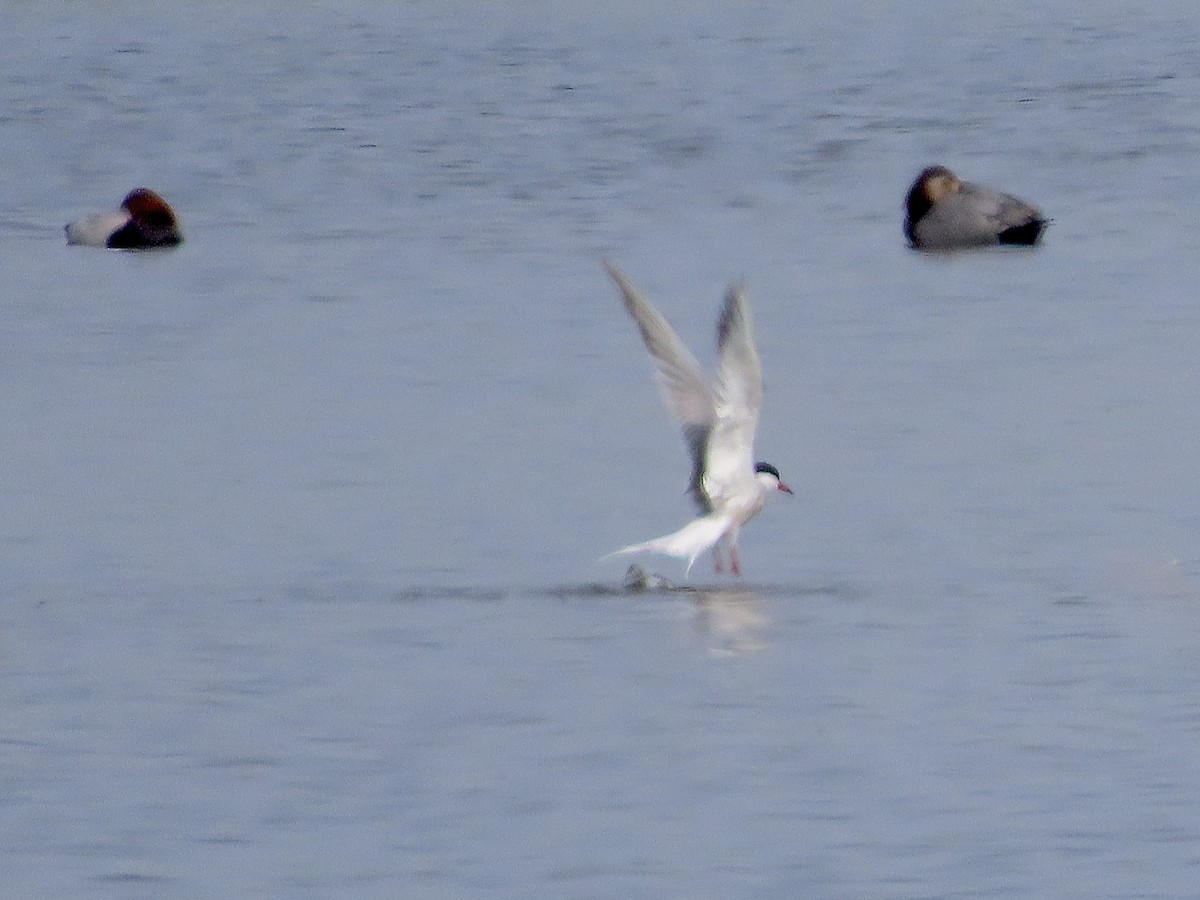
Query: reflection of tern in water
[{"x": 731, "y": 620}]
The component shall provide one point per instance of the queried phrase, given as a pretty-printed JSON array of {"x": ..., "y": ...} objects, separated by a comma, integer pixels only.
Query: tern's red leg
[
  {"x": 735, "y": 564},
  {"x": 717, "y": 567}
]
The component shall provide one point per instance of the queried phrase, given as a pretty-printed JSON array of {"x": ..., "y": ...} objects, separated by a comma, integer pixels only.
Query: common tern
[
  {"x": 718, "y": 421},
  {"x": 943, "y": 212}
]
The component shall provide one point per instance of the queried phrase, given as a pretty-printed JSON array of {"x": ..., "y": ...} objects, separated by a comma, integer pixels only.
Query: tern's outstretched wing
[
  {"x": 729, "y": 470},
  {"x": 684, "y": 387}
]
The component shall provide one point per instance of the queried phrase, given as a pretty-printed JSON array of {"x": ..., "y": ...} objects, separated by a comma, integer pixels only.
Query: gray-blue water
[{"x": 300, "y": 524}]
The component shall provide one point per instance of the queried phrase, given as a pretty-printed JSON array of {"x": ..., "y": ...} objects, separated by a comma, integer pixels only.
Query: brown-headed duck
[
  {"x": 943, "y": 212},
  {"x": 144, "y": 220}
]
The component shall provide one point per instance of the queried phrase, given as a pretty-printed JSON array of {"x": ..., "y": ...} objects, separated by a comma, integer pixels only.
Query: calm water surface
[{"x": 299, "y": 524}]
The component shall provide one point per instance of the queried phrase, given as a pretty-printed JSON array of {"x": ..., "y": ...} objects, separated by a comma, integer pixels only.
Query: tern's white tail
[{"x": 689, "y": 541}]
